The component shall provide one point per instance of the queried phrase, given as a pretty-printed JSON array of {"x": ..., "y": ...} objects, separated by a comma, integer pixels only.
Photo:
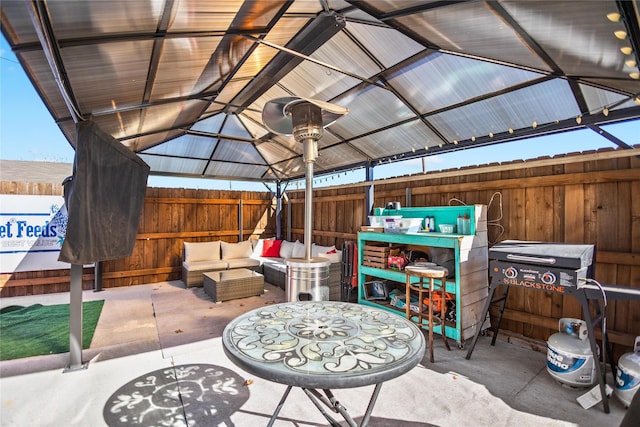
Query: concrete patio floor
[{"x": 153, "y": 339}]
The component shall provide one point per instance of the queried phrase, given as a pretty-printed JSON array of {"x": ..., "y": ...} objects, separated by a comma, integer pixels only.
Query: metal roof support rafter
[
  {"x": 156, "y": 54},
  {"x": 307, "y": 41},
  {"x": 41, "y": 21}
]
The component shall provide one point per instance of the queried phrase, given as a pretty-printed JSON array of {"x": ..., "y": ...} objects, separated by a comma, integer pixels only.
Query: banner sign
[{"x": 32, "y": 229}]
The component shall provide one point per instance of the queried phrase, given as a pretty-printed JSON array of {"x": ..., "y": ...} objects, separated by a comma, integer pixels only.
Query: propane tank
[
  {"x": 628, "y": 374},
  {"x": 569, "y": 357}
]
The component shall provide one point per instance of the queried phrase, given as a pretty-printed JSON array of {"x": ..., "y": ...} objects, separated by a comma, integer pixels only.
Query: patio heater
[{"x": 305, "y": 119}]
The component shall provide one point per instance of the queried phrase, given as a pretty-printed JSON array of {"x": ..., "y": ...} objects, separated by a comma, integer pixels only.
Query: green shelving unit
[{"x": 470, "y": 283}]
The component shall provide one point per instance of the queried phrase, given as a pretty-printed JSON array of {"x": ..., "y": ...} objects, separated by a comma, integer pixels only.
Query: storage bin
[
  {"x": 411, "y": 225},
  {"x": 380, "y": 220},
  {"x": 447, "y": 228},
  {"x": 404, "y": 225}
]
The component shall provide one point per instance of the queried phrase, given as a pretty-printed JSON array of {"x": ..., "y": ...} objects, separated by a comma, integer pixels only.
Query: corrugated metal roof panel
[
  {"x": 235, "y": 170},
  {"x": 597, "y": 99},
  {"x": 190, "y": 146},
  {"x": 109, "y": 76},
  {"x": 365, "y": 114},
  {"x": 182, "y": 67},
  {"x": 233, "y": 151},
  {"x": 475, "y": 29},
  {"x": 174, "y": 165},
  {"x": 542, "y": 103},
  {"x": 76, "y": 19},
  {"x": 414, "y": 135},
  {"x": 387, "y": 46},
  {"x": 437, "y": 81}
]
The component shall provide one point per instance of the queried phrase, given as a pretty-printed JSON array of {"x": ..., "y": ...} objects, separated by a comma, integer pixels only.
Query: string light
[
  {"x": 613, "y": 17},
  {"x": 579, "y": 119},
  {"x": 510, "y": 130},
  {"x": 534, "y": 124},
  {"x": 620, "y": 34},
  {"x": 490, "y": 134},
  {"x": 626, "y": 50}
]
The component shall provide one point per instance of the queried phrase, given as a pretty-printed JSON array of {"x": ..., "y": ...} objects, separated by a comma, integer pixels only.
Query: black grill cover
[{"x": 104, "y": 198}]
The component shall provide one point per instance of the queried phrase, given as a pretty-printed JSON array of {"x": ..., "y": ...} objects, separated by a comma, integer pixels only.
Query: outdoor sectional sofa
[{"x": 266, "y": 258}]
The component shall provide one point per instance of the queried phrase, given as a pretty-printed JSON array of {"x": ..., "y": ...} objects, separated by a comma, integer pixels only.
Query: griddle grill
[
  {"x": 554, "y": 267},
  {"x": 550, "y": 267}
]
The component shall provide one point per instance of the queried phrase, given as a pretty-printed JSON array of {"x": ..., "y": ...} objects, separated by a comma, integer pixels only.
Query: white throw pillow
[
  {"x": 316, "y": 250},
  {"x": 298, "y": 250},
  {"x": 201, "y": 251},
  {"x": 333, "y": 256},
  {"x": 286, "y": 249},
  {"x": 236, "y": 250}
]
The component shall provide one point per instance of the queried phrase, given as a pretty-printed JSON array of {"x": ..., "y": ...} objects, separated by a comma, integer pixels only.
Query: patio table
[{"x": 324, "y": 345}]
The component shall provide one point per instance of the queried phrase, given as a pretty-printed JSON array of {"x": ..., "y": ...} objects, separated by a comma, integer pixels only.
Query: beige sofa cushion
[
  {"x": 236, "y": 250},
  {"x": 201, "y": 251}
]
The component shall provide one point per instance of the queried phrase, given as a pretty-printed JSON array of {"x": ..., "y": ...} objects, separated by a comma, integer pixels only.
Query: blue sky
[{"x": 28, "y": 132}]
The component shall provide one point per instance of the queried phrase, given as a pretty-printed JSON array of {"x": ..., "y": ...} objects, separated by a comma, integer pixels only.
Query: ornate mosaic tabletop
[{"x": 323, "y": 344}]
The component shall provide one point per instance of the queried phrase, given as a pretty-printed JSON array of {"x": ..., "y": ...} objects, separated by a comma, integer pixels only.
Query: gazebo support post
[{"x": 75, "y": 320}]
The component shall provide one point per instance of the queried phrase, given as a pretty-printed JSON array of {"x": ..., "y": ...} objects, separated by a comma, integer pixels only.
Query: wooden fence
[
  {"x": 591, "y": 198},
  {"x": 169, "y": 218}
]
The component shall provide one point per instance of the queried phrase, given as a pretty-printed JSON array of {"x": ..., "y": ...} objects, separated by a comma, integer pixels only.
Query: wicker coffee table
[{"x": 231, "y": 284}]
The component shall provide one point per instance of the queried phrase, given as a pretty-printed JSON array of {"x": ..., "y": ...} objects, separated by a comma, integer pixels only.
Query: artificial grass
[{"x": 43, "y": 329}]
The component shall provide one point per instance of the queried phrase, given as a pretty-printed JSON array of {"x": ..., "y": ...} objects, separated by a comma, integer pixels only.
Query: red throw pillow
[
  {"x": 271, "y": 248},
  {"x": 332, "y": 251}
]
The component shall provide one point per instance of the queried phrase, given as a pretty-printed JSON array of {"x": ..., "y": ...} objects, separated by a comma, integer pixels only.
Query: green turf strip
[{"x": 43, "y": 329}]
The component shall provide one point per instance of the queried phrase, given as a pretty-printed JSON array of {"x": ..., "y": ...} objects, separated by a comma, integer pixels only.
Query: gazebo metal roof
[{"x": 183, "y": 82}]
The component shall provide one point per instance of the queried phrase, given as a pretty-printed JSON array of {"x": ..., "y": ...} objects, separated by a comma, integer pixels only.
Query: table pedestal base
[{"x": 332, "y": 403}]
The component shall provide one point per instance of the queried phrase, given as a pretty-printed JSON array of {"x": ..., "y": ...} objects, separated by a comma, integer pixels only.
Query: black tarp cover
[{"x": 104, "y": 198}]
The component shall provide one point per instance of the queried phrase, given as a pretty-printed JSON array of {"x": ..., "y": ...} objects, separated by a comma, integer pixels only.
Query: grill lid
[{"x": 560, "y": 255}]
